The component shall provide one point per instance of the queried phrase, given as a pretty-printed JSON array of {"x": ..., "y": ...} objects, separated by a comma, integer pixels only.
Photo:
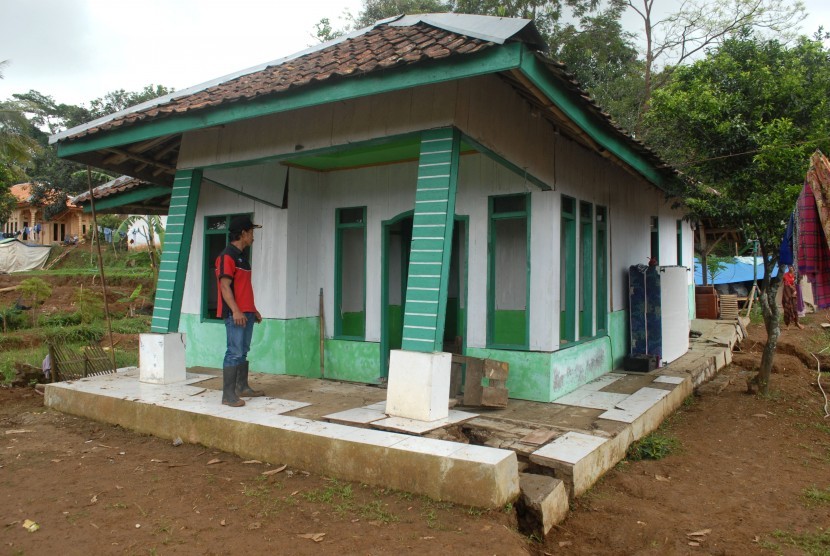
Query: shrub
[{"x": 652, "y": 446}]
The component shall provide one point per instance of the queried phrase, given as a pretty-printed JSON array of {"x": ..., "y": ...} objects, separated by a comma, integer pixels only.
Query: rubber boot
[
  {"x": 242, "y": 386},
  {"x": 229, "y": 378}
]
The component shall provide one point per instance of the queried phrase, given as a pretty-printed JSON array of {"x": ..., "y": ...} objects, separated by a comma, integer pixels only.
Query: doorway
[{"x": 396, "y": 240}]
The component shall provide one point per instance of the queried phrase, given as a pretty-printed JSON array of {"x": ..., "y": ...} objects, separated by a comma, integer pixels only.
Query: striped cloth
[{"x": 813, "y": 248}]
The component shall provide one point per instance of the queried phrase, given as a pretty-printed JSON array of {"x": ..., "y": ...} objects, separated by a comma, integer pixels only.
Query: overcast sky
[{"x": 78, "y": 50}]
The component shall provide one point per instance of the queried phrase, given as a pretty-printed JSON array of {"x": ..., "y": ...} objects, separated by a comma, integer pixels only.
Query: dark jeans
[{"x": 239, "y": 340}]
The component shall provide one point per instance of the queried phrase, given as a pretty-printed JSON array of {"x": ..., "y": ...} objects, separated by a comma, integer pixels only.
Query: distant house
[
  {"x": 127, "y": 195},
  {"x": 443, "y": 183},
  {"x": 28, "y": 222}
]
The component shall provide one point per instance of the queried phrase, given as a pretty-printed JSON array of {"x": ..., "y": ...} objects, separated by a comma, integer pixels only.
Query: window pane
[
  {"x": 217, "y": 223},
  {"x": 512, "y": 203},
  {"x": 510, "y": 274},
  {"x": 351, "y": 215},
  {"x": 567, "y": 205},
  {"x": 214, "y": 244},
  {"x": 352, "y": 281}
]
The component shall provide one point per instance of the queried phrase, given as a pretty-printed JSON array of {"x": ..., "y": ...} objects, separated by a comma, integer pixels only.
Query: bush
[
  {"x": 79, "y": 334},
  {"x": 90, "y": 305},
  {"x": 11, "y": 318},
  {"x": 59, "y": 319},
  {"x": 652, "y": 446}
]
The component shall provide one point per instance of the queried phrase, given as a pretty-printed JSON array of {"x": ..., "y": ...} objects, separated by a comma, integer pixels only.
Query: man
[{"x": 236, "y": 306}]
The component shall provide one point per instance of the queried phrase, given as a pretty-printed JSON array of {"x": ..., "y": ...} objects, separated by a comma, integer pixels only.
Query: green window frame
[
  {"x": 601, "y": 246},
  {"x": 508, "y": 327},
  {"x": 215, "y": 238},
  {"x": 654, "y": 234},
  {"x": 586, "y": 269},
  {"x": 350, "y": 273},
  {"x": 567, "y": 271},
  {"x": 679, "y": 243}
]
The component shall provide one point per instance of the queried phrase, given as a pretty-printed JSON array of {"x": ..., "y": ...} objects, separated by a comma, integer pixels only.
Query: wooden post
[
  {"x": 100, "y": 266},
  {"x": 322, "y": 336}
]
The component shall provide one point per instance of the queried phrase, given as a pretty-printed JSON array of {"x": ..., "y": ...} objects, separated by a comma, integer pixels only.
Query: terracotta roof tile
[{"x": 383, "y": 47}]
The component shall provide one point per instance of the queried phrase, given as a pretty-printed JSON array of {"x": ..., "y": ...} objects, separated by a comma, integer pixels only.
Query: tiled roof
[
  {"x": 23, "y": 193},
  {"x": 383, "y": 47},
  {"x": 118, "y": 185}
]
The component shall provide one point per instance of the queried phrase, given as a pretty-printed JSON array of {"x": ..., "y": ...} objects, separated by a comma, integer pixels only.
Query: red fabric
[
  {"x": 813, "y": 251},
  {"x": 231, "y": 263},
  {"x": 789, "y": 279}
]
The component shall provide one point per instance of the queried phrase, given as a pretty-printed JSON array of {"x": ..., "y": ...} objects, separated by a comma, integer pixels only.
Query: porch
[{"x": 476, "y": 460}]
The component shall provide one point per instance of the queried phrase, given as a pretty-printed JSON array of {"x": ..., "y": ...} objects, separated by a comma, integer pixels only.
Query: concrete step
[
  {"x": 461, "y": 473},
  {"x": 542, "y": 504}
]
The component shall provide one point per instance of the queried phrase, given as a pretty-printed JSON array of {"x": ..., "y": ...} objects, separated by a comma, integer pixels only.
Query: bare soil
[{"x": 751, "y": 476}]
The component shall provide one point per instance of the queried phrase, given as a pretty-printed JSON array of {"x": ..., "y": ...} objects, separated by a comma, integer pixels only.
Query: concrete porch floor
[{"x": 475, "y": 460}]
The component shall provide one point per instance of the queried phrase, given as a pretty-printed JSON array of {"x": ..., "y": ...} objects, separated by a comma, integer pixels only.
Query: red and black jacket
[{"x": 232, "y": 263}]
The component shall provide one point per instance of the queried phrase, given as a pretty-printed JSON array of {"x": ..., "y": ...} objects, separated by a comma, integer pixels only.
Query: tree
[
  {"x": 604, "y": 59},
  {"x": 35, "y": 291},
  {"x": 750, "y": 115},
  {"x": 152, "y": 227},
  {"x": 699, "y": 24}
]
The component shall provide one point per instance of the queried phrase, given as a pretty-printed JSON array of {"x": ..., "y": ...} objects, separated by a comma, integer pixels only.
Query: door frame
[{"x": 384, "y": 289}]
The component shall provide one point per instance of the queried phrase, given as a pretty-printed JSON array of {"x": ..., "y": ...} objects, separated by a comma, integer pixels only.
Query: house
[
  {"x": 434, "y": 182},
  {"x": 124, "y": 195},
  {"x": 26, "y": 216}
]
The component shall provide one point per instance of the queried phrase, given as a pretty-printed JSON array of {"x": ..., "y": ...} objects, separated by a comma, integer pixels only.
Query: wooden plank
[
  {"x": 496, "y": 370},
  {"x": 472, "y": 383},
  {"x": 494, "y": 396}
]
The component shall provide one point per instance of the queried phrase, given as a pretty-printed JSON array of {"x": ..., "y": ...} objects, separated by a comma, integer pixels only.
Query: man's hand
[
  {"x": 258, "y": 317},
  {"x": 239, "y": 318}
]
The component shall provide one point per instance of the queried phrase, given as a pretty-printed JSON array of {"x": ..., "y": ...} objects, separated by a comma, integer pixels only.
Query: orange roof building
[{"x": 30, "y": 221}]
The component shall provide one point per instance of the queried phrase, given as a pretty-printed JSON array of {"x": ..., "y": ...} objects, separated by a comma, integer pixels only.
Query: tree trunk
[{"x": 769, "y": 309}]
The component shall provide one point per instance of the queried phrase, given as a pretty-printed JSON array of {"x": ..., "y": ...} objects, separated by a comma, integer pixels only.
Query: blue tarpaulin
[{"x": 738, "y": 271}]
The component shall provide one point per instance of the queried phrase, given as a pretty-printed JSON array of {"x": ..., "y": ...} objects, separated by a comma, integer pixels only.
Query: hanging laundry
[
  {"x": 813, "y": 226},
  {"x": 785, "y": 252}
]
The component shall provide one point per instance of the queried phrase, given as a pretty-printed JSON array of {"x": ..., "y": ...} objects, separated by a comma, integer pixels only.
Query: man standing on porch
[{"x": 236, "y": 306}]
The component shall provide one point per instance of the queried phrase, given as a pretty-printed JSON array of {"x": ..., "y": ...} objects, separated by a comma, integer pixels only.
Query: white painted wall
[{"x": 294, "y": 253}]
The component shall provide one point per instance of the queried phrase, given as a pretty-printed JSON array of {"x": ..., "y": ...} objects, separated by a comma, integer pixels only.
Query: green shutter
[
  {"x": 177, "y": 240},
  {"x": 431, "y": 248}
]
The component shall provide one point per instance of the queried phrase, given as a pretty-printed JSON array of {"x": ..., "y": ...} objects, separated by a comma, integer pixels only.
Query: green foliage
[
  {"x": 816, "y": 496},
  {"x": 80, "y": 334},
  {"x": 12, "y": 318},
  {"x": 604, "y": 59},
  {"x": 90, "y": 305},
  {"x": 751, "y": 114},
  {"x": 815, "y": 544},
  {"x": 656, "y": 445},
  {"x": 35, "y": 291},
  {"x": 715, "y": 265},
  {"x": 59, "y": 319}
]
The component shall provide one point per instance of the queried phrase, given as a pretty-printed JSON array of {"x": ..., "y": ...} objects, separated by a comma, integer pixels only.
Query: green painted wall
[
  {"x": 277, "y": 347},
  {"x": 530, "y": 371},
  {"x": 579, "y": 364},
  {"x": 544, "y": 376},
  {"x": 353, "y": 324},
  {"x": 618, "y": 333},
  {"x": 509, "y": 328},
  {"x": 353, "y": 360}
]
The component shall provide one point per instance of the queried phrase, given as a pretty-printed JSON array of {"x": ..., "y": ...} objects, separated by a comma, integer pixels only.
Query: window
[
  {"x": 567, "y": 271},
  {"x": 655, "y": 239},
  {"x": 679, "y": 243},
  {"x": 586, "y": 269},
  {"x": 508, "y": 272},
  {"x": 215, "y": 240},
  {"x": 602, "y": 269},
  {"x": 350, "y": 273}
]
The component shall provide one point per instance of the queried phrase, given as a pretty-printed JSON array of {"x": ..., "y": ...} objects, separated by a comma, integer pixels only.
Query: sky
[{"x": 79, "y": 50}]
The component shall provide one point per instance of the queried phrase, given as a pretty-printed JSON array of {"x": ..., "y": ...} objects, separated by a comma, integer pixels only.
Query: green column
[
  {"x": 431, "y": 247},
  {"x": 177, "y": 239}
]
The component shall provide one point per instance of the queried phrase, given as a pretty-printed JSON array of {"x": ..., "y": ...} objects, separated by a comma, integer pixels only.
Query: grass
[
  {"x": 815, "y": 496},
  {"x": 327, "y": 495},
  {"x": 815, "y": 544},
  {"x": 656, "y": 445}
]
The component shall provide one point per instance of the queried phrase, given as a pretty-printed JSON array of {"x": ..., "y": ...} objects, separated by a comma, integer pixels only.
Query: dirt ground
[{"x": 751, "y": 475}]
